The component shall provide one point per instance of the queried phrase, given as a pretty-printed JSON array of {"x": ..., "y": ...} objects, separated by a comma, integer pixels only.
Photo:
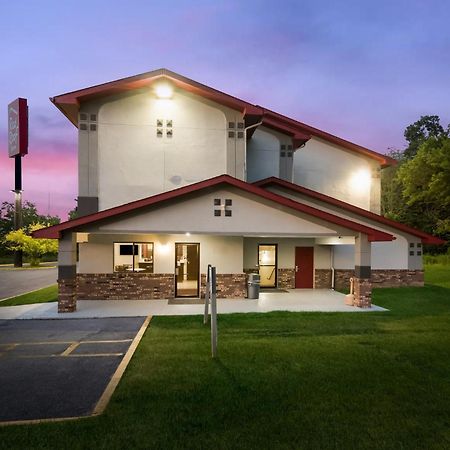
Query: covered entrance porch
[{"x": 154, "y": 248}]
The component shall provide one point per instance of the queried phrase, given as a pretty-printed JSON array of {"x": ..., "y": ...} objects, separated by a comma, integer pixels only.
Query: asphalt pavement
[
  {"x": 19, "y": 281},
  {"x": 59, "y": 368}
]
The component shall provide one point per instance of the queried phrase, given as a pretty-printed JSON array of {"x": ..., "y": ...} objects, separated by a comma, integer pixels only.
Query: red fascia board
[
  {"x": 54, "y": 232},
  {"x": 426, "y": 238},
  {"x": 297, "y": 138},
  {"x": 147, "y": 79},
  {"x": 384, "y": 160}
]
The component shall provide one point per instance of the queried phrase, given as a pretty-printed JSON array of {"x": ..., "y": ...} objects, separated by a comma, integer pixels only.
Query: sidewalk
[{"x": 319, "y": 300}]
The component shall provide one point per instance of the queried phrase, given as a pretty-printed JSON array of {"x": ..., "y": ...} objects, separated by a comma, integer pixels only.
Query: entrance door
[
  {"x": 267, "y": 261},
  {"x": 304, "y": 267},
  {"x": 187, "y": 269}
]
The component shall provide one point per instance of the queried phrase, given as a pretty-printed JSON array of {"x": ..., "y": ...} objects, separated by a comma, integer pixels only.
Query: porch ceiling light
[{"x": 164, "y": 90}]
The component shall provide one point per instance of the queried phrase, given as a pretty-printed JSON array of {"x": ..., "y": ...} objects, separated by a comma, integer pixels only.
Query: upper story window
[{"x": 133, "y": 257}]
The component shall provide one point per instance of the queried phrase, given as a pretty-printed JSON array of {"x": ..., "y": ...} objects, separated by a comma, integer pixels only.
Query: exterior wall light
[
  {"x": 164, "y": 90},
  {"x": 360, "y": 179}
]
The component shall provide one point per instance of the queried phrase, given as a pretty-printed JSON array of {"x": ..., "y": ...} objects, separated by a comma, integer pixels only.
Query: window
[{"x": 133, "y": 257}]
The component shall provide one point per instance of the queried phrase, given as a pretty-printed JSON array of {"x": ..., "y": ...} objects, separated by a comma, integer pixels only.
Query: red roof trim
[
  {"x": 54, "y": 231},
  {"x": 426, "y": 238},
  {"x": 301, "y": 127},
  {"x": 68, "y": 104}
]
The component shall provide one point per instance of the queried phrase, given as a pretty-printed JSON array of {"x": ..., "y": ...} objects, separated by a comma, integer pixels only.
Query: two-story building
[{"x": 175, "y": 175}]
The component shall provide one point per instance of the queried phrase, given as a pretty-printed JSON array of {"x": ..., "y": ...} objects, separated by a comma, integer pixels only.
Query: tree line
[{"x": 417, "y": 190}]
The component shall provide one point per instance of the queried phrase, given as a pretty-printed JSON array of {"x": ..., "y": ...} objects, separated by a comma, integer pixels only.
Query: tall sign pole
[{"x": 17, "y": 148}]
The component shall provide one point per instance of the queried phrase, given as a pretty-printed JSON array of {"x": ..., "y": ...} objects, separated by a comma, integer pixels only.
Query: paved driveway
[
  {"x": 59, "y": 368},
  {"x": 18, "y": 281}
]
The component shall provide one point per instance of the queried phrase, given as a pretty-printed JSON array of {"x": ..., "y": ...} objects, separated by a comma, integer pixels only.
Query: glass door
[
  {"x": 187, "y": 269},
  {"x": 267, "y": 261}
]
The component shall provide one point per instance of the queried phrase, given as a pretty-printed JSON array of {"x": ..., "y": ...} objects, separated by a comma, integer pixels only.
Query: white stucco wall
[
  {"x": 224, "y": 252},
  {"x": 250, "y": 215},
  {"x": 125, "y": 160},
  {"x": 264, "y": 155},
  {"x": 339, "y": 173},
  {"x": 385, "y": 255}
]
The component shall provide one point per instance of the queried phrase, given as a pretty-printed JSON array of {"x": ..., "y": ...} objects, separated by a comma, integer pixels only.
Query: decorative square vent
[
  {"x": 83, "y": 126},
  {"x": 159, "y": 122},
  {"x": 169, "y": 123},
  {"x": 224, "y": 206},
  {"x": 169, "y": 133},
  {"x": 93, "y": 117},
  {"x": 93, "y": 127},
  {"x": 283, "y": 147},
  {"x": 240, "y": 125},
  {"x": 231, "y": 134},
  {"x": 231, "y": 125},
  {"x": 83, "y": 117},
  {"x": 159, "y": 132},
  {"x": 240, "y": 135}
]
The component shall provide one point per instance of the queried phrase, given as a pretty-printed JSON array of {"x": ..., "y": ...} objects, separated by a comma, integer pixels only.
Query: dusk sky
[{"x": 362, "y": 70}]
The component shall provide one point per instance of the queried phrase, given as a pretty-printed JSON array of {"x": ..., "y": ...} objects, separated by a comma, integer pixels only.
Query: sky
[{"x": 361, "y": 70}]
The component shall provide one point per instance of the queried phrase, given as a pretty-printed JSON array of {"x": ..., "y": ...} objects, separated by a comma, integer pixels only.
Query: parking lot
[{"x": 59, "y": 368}]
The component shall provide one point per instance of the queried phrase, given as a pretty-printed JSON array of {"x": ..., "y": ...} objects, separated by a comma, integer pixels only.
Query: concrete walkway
[{"x": 320, "y": 300}]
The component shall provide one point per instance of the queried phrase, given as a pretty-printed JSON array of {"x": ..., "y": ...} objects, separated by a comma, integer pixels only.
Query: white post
[{"x": 207, "y": 295}]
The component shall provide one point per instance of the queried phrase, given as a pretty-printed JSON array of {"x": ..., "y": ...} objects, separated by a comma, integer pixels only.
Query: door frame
[
  {"x": 276, "y": 263},
  {"x": 198, "y": 270}
]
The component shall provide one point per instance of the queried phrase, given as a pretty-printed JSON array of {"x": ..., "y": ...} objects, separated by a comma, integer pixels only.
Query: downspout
[
  {"x": 245, "y": 147},
  {"x": 332, "y": 266}
]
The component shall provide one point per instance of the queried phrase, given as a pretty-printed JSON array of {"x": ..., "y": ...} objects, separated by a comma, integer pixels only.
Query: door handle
[{"x": 296, "y": 268}]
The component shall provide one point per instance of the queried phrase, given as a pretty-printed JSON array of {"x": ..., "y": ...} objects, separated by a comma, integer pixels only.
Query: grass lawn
[
  {"x": 282, "y": 380},
  {"x": 47, "y": 294}
]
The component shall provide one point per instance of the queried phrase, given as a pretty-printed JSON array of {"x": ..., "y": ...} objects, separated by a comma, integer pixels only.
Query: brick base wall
[
  {"x": 286, "y": 278},
  {"x": 125, "y": 286},
  {"x": 363, "y": 292},
  {"x": 229, "y": 285},
  {"x": 67, "y": 301},
  {"x": 322, "y": 278},
  {"x": 380, "y": 278}
]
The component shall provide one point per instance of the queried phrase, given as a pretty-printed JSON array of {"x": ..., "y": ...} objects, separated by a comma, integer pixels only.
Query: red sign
[{"x": 18, "y": 127}]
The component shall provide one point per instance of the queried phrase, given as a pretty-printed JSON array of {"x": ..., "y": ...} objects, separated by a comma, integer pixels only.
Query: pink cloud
[{"x": 49, "y": 178}]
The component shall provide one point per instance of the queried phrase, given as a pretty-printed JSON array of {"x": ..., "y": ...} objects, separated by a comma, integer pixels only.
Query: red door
[{"x": 304, "y": 267}]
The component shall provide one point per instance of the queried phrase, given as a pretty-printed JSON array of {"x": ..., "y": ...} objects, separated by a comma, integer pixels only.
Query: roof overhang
[
  {"x": 69, "y": 104},
  {"x": 56, "y": 231},
  {"x": 363, "y": 213}
]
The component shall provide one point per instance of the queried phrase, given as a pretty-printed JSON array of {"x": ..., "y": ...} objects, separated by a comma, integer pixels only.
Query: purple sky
[{"x": 358, "y": 69}]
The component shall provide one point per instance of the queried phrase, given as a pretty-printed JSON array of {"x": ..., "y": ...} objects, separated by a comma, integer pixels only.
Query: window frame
[{"x": 133, "y": 243}]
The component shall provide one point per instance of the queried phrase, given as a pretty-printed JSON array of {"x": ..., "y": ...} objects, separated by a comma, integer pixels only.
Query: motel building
[{"x": 175, "y": 175}]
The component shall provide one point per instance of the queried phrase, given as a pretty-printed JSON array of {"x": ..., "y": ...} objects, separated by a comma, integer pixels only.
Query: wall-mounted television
[{"x": 127, "y": 249}]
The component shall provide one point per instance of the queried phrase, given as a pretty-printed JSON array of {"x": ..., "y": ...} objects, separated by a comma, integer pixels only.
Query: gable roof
[
  {"x": 69, "y": 104},
  {"x": 274, "y": 181},
  {"x": 54, "y": 231}
]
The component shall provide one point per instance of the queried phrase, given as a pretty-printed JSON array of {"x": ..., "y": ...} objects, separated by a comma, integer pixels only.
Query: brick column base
[
  {"x": 362, "y": 288},
  {"x": 67, "y": 301}
]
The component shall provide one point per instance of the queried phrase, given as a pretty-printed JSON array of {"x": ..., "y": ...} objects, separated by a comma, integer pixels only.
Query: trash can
[{"x": 253, "y": 285}]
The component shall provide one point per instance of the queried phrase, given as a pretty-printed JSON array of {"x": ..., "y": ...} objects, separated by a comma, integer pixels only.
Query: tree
[
  {"x": 425, "y": 181},
  {"x": 33, "y": 248},
  {"x": 29, "y": 213},
  {"x": 73, "y": 213},
  {"x": 420, "y": 131}
]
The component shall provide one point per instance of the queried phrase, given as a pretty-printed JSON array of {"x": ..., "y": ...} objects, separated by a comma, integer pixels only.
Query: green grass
[
  {"x": 282, "y": 381},
  {"x": 47, "y": 294}
]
